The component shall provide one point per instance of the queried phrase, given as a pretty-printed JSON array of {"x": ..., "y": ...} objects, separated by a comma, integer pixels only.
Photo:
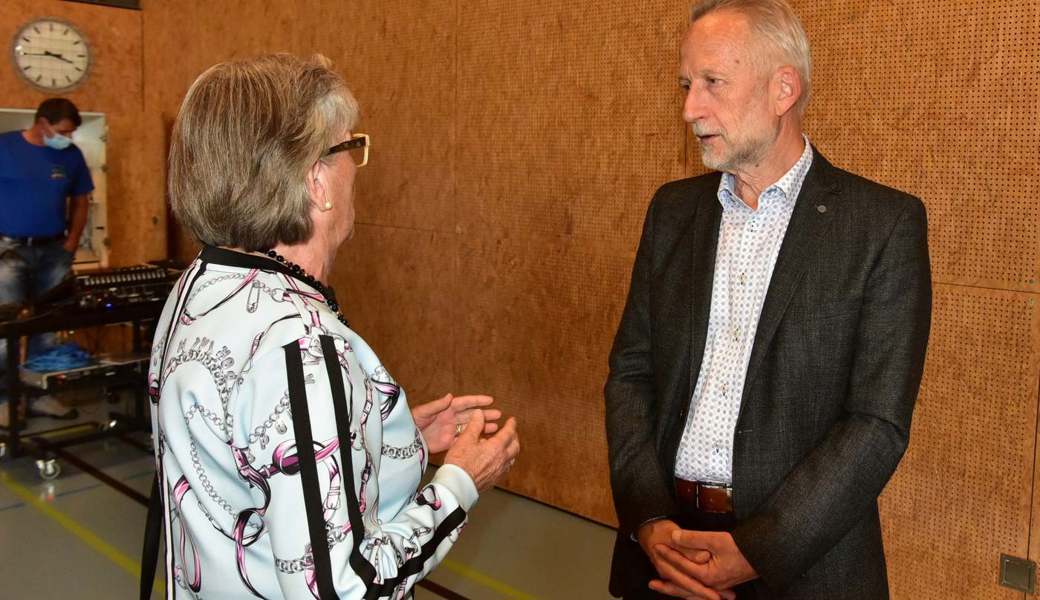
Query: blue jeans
[{"x": 26, "y": 272}]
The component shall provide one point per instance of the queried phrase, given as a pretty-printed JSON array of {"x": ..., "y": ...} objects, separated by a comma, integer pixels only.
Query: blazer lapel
[
  {"x": 809, "y": 222},
  {"x": 705, "y": 243}
]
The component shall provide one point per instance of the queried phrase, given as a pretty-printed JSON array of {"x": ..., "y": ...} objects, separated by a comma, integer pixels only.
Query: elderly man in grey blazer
[{"x": 769, "y": 355}]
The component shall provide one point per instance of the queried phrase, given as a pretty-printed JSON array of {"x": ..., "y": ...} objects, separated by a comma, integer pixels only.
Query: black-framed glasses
[{"x": 357, "y": 146}]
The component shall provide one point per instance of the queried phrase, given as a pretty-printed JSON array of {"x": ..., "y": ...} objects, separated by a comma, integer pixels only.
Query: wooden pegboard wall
[
  {"x": 940, "y": 99},
  {"x": 962, "y": 495},
  {"x": 568, "y": 119}
]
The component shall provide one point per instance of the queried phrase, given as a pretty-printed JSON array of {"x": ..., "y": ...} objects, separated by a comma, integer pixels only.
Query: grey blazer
[{"x": 833, "y": 376}]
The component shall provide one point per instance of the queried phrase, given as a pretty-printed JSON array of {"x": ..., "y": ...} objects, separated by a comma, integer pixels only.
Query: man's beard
[{"x": 749, "y": 151}]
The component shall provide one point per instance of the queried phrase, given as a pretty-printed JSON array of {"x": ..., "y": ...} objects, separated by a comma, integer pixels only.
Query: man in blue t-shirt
[{"x": 45, "y": 188}]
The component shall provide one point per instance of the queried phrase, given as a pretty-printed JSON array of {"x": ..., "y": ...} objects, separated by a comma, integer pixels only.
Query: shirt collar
[
  {"x": 784, "y": 192},
  {"x": 234, "y": 258}
]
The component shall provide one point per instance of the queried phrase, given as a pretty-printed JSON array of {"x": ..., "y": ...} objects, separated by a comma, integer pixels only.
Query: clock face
[{"x": 51, "y": 55}]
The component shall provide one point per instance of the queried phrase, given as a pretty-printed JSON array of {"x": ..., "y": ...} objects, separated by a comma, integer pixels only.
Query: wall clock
[{"x": 51, "y": 55}]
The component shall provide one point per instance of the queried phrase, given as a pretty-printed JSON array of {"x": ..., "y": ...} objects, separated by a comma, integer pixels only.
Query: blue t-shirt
[{"x": 35, "y": 182}]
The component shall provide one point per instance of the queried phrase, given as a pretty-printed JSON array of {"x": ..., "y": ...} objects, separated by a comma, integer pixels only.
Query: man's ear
[{"x": 787, "y": 89}]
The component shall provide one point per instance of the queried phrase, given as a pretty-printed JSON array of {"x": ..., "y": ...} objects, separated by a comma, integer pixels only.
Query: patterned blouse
[{"x": 288, "y": 455}]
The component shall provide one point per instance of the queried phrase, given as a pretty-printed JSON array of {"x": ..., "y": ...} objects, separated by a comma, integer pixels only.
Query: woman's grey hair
[
  {"x": 246, "y": 137},
  {"x": 777, "y": 23}
]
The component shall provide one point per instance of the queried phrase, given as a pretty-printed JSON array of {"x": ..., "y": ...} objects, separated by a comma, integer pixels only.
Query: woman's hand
[
  {"x": 441, "y": 420},
  {"x": 486, "y": 460}
]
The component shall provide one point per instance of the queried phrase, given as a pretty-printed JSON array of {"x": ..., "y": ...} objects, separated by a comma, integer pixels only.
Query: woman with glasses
[{"x": 289, "y": 460}]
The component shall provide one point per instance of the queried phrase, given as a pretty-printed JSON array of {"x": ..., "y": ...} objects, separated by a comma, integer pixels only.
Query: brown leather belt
[{"x": 705, "y": 497}]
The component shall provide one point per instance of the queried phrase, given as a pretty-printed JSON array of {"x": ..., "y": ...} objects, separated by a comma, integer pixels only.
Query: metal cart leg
[{"x": 14, "y": 396}]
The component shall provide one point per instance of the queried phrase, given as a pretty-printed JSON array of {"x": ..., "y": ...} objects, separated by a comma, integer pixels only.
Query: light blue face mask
[{"x": 57, "y": 141}]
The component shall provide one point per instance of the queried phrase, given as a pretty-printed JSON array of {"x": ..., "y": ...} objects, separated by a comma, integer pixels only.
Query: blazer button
[{"x": 821, "y": 208}]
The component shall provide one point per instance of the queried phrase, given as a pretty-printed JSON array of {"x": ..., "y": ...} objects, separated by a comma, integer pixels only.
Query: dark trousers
[{"x": 27, "y": 272}]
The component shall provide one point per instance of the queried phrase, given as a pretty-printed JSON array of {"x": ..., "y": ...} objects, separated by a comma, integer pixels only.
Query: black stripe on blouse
[
  {"x": 319, "y": 542},
  {"x": 309, "y": 471}
]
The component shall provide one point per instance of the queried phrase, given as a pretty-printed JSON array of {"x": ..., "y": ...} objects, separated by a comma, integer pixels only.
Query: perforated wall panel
[
  {"x": 568, "y": 121},
  {"x": 961, "y": 497},
  {"x": 398, "y": 57},
  {"x": 940, "y": 99}
]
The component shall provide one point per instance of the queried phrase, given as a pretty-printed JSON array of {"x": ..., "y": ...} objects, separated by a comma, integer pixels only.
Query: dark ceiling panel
[{"x": 133, "y": 4}]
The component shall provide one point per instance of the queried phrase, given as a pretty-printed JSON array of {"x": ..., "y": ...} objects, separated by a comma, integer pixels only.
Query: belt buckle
[{"x": 721, "y": 488}]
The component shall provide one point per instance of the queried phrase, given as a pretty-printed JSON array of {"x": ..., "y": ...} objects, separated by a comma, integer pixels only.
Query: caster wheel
[{"x": 49, "y": 469}]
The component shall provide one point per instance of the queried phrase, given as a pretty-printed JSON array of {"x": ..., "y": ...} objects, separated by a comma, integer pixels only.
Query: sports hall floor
[{"x": 78, "y": 537}]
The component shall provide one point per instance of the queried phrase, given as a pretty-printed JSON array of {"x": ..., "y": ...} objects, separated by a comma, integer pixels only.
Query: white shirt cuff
[{"x": 456, "y": 479}]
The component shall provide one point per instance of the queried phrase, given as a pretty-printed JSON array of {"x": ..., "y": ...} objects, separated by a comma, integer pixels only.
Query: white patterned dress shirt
[{"x": 749, "y": 242}]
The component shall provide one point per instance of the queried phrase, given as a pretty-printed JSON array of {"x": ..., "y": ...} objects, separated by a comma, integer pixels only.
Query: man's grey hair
[
  {"x": 245, "y": 140},
  {"x": 777, "y": 23}
]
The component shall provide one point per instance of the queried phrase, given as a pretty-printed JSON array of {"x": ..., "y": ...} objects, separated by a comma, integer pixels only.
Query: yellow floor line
[
  {"x": 85, "y": 535},
  {"x": 474, "y": 575},
  {"x": 132, "y": 567}
]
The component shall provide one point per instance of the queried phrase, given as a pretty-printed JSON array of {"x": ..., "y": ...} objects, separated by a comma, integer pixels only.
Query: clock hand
[
  {"x": 57, "y": 56},
  {"x": 47, "y": 53}
]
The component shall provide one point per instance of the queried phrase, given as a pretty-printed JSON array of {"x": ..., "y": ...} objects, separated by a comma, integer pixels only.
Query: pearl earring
[{"x": 328, "y": 205}]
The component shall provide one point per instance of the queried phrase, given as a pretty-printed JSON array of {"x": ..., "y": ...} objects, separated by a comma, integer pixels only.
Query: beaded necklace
[{"x": 298, "y": 272}]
